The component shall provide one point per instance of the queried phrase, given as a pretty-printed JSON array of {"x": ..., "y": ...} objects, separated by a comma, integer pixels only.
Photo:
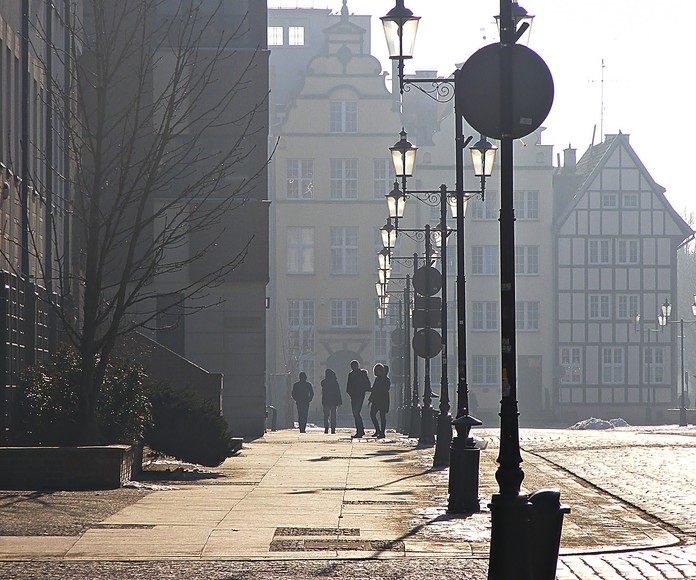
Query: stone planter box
[{"x": 68, "y": 468}]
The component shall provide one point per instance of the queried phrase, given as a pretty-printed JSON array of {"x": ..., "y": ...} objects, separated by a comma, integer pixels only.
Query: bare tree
[{"x": 162, "y": 126}]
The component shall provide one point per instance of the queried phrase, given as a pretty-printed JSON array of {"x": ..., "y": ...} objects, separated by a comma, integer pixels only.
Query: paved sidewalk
[{"x": 292, "y": 496}]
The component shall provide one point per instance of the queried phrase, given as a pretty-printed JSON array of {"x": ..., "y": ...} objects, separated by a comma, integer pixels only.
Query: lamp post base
[
  {"x": 682, "y": 417},
  {"x": 414, "y": 424},
  {"x": 509, "y": 555},
  {"x": 427, "y": 430},
  {"x": 463, "y": 478},
  {"x": 443, "y": 441}
]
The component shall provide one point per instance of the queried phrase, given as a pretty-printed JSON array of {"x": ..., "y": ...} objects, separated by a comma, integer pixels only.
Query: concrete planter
[{"x": 68, "y": 468}]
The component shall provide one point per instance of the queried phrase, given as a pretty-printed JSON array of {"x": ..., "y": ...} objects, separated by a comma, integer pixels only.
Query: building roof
[{"x": 591, "y": 164}]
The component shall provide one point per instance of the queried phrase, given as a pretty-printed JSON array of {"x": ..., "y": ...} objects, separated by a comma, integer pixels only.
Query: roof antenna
[{"x": 601, "y": 112}]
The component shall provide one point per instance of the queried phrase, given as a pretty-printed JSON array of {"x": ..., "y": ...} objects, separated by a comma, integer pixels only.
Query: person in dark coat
[
  {"x": 303, "y": 393},
  {"x": 330, "y": 399},
  {"x": 379, "y": 399},
  {"x": 358, "y": 384}
]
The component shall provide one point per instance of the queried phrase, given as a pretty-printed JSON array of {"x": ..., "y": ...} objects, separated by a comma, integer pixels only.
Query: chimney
[{"x": 569, "y": 159}]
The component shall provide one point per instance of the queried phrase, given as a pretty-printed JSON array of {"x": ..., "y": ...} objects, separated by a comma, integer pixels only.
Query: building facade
[
  {"x": 331, "y": 171},
  {"x": 35, "y": 167},
  {"x": 615, "y": 256}
]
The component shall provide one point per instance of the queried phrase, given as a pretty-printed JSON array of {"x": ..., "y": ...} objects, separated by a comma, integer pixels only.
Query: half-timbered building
[{"x": 616, "y": 241}]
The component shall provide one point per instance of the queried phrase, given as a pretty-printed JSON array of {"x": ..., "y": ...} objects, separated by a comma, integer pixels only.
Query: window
[
  {"x": 484, "y": 316},
  {"x": 526, "y": 205},
  {"x": 275, "y": 36},
  {"x": 485, "y": 210},
  {"x": 527, "y": 260},
  {"x": 344, "y": 117},
  {"x": 300, "y": 250},
  {"x": 344, "y": 313},
  {"x": 627, "y": 306},
  {"x": 381, "y": 343},
  {"x": 300, "y": 327},
  {"x": 654, "y": 365},
  {"x": 382, "y": 178},
  {"x": 344, "y": 250},
  {"x": 612, "y": 366},
  {"x": 300, "y": 342},
  {"x": 598, "y": 252},
  {"x": 627, "y": 252},
  {"x": 296, "y": 36},
  {"x": 610, "y": 200},
  {"x": 527, "y": 316},
  {"x": 300, "y": 178},
  {"x": 599, "y": 306},
  {"x": 484, "y": 260},
  {"x": 484, "y": 370},
  {"x": 344, "y": 178},
  {"x": 630, "y": 200},
  {"x": 571, "y": 365}
]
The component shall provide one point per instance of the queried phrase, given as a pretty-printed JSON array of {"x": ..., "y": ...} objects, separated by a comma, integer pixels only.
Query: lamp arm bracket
[{"x": 441, "y": 90}]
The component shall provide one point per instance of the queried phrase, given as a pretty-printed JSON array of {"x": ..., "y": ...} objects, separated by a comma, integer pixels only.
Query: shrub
[
  {"x": 187, "y": 428},
  {"x": 48, "y": 403}
]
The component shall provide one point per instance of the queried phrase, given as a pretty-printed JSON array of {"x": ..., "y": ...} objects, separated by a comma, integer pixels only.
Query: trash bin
[{"x": 544, "y": 532}]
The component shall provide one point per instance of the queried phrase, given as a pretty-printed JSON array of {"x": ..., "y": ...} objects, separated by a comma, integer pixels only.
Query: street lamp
[
  {"x": 396, "y": 203},
  {"x": 482, "y": 158},
  {"x": 666, "y": 312},
  {"x": 522, "y": 21},
  {"x": 400, "y": 27},
  {"x": 388, "y": 233},
  {"x": 403, "y": 154}
]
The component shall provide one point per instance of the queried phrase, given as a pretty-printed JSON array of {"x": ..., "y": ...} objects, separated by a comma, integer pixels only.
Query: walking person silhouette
[
  {"x": 303, "y": 393},
  {"x": 330, "y": 399},
  {"x": 357, "y": 385},
  {"x": 379, "y": 399}
]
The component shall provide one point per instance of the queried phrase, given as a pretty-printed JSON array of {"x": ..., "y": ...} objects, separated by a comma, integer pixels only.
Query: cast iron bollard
[
  {"x": 274, "y": 416},
  {"x": 545, "y": 523}
]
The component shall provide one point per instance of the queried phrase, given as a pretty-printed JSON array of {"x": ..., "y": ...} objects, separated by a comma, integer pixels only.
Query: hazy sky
[{"x": 649, "y": 70}]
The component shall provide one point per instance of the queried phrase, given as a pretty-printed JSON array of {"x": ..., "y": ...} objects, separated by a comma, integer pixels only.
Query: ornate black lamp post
[{"x": 400, "y": 26}]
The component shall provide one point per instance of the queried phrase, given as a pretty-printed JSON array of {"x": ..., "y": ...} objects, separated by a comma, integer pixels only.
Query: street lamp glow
[
  {"x": 666, "y": 309},
  {"x": 483, "y": 157},
  {"x": 693, "y": 306},
  {"x": 384, "y": 259},
  {"x": 403, "y": 155},
  {"x": 396, "y": 202},
  {"x": 388, "y": 233},
  {"x": 381, "y": 289},
  {"x": 452, "y": 203},
  {"x": 384, "y": 275},
  {"x": 400, "y": 28}
]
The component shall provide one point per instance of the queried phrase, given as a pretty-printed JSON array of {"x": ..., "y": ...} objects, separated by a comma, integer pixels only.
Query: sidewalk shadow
[
  {"x": 19, "y": 497},
  {"x": 178, "y": 474}
]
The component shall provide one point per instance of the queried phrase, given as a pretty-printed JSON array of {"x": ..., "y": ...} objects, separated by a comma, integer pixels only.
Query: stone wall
[{"x": 68, "y": 468}]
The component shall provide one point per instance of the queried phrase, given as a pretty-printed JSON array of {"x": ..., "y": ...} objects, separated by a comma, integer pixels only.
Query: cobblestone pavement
[{"x": 651, "y": 468}]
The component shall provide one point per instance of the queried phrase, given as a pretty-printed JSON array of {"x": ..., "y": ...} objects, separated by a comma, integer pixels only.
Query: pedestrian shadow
[
  {"x": 7, "y": 500},
  {"x": 178, "y": 474},
  {"x": 446, "y": 517}
]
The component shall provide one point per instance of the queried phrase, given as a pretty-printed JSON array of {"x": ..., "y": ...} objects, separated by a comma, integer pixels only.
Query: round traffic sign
[
  {"x": 427, "y": 343},
  {"x": 427, "y": 280},
  {"x": 478, "y": 91}
]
